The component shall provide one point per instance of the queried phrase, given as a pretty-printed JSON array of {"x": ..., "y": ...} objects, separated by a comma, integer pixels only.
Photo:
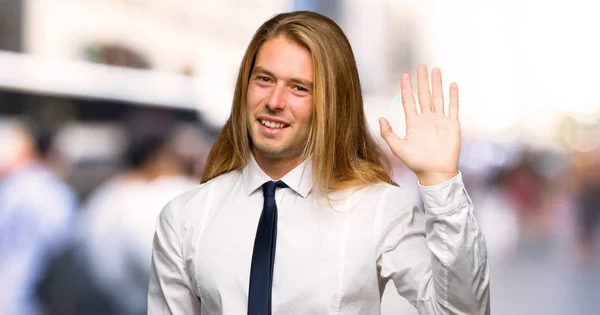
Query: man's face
[{"x": 280, "y": 99}]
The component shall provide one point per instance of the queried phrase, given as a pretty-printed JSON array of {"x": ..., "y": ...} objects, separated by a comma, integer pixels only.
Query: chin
[{"x": 269, "y": 151}]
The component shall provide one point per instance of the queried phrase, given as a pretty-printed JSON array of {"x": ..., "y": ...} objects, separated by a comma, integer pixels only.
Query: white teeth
[{"x": 272, "y": 124}]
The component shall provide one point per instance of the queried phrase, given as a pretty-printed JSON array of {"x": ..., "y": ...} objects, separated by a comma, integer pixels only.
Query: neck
[
  {"x": 276, "y": 168},
  {"x": 160, "y": 166},
  {"x": 22, "y": 162}
]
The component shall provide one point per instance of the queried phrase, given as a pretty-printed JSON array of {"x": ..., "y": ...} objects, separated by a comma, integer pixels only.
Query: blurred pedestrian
[{"x": 36, "y": 212}]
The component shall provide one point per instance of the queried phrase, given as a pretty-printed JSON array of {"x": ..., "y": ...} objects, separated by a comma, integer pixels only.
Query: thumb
[
  {"x": 392, "y": 140},
  {"x": 385, "y": 129}
]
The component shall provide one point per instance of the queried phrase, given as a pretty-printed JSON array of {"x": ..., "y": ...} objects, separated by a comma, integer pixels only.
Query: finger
[
  {"x": 437, "y": 92},
  {"x": 453, "y": 107},
  {"x": 408, "y": 97},
  {"x": 388, "y": 135},
  {"x": 423, "y": 89}
]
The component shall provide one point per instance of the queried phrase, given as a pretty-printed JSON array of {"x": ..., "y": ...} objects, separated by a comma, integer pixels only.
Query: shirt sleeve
[
  {"x": 436, "y": 257},
  {"x": 171, "y": 288}
]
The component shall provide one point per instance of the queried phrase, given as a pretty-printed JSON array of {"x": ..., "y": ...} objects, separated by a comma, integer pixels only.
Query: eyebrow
[{"x": 262, "y": 70}]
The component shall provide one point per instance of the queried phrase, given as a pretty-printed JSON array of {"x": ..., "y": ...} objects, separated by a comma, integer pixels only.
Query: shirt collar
[{"x": 299, "y": 179}]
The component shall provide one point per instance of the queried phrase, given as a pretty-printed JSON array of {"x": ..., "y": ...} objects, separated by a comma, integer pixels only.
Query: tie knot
[{"x": 270, "y": 186}]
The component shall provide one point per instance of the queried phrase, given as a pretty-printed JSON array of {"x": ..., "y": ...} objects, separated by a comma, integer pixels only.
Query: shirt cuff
[{"x": 444, "y": 198}]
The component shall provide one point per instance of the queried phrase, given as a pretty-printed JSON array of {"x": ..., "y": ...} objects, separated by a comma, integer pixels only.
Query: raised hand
[{"x": 431, "y": 146}]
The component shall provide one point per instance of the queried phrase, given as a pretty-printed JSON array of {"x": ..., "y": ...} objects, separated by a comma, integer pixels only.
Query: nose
[{"x": 276, "y": 100}]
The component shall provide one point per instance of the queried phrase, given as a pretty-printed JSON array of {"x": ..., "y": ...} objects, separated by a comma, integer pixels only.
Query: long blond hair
[{"x": 344, "y": 154}]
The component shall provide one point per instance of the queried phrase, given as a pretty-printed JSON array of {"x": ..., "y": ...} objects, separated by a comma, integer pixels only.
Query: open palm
[{"x": 431, "y": 146}]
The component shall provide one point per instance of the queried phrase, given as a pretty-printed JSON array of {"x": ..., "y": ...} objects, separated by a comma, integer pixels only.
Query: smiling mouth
[{"x": 272, "y": 124}]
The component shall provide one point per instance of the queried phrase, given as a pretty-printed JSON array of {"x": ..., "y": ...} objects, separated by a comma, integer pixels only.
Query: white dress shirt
[{"x": 332, "y": 257}]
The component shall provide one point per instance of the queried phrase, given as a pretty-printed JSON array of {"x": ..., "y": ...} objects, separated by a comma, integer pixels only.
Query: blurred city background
[{"x": 109, "y": 107}]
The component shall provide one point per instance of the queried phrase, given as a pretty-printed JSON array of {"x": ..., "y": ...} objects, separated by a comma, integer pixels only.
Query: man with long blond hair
[{"x": 333, "y": 228}]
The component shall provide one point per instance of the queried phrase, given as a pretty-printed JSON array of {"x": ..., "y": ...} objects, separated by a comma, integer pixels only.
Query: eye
[
  {"x": 264, "y": 79},
  {"x": 299, "y": 88}
]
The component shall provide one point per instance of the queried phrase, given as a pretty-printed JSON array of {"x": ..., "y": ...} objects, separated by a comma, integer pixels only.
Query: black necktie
[{"x": 263, "y": 256}]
